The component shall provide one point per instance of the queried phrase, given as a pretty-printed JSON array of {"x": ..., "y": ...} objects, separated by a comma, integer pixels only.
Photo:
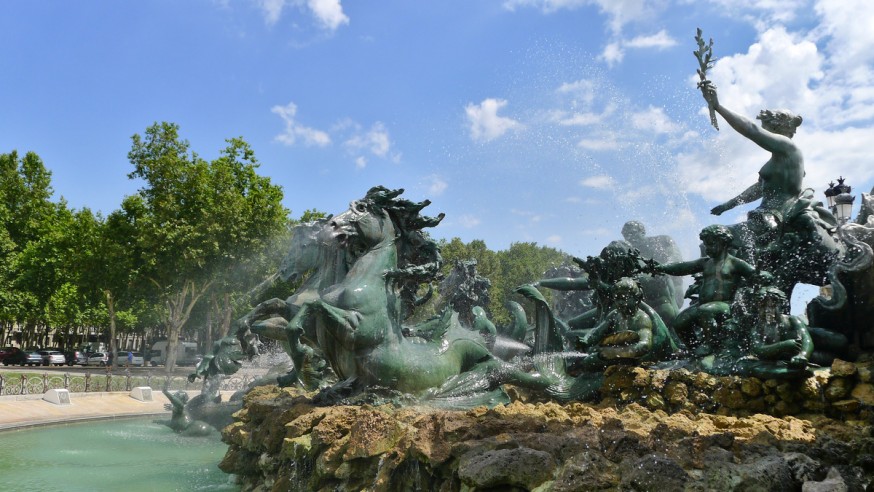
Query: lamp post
[
  {"x": 843, "y": 201},
  {"x": 830, "y": 195}
]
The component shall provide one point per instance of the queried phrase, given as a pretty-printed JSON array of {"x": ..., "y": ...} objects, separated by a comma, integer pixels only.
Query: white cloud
[
  {"x": 436, "y": 185},
  {"x": 582, "y": 91},
  {"x": 485, "y": 124},
  {"x": 654, "y": 120},
  {"x": 327, "y": 13},
  {"x": 848, "y": 27},
  {"x": 612, "y": 54},
  {"x": 618, "y": 12},
  {"x": 831, "y": 88},
  {"x": 660, "y": 40},
  {"x": 605, "y": 142},
  {"x": 272, "y": 10},
  {"x": 360, "y": 162},
  {"x": 294, "y": 130},
  {"x": 601, "y": 182},
  {"x": 376, "y": 141},
  {"x": 848, "y": 39},
  {"x": 468, "y": 221},
  {"x": 554, "y": 239},
  {"x": 578, "y": 119},
  {"x": 842, "y": 152},
  {"x": 761, "y": 13},
  {"x": 547, "y": 6}
]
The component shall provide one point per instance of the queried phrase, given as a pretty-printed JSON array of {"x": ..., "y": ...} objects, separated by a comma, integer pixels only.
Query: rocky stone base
[
  {"x": 281, "y": 441},
  {"x": 844, "y": 391}
]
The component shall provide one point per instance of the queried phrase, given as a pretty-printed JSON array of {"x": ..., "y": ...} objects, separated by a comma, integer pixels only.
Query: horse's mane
[
  {"x": 419, "y": 259},
  {"x": 404, "y": 213}
]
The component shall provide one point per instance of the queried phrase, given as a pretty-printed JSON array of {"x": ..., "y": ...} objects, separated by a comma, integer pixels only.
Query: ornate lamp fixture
[
  {"x": 843, "y": 201},
  {"x": 830, "y": 195}
]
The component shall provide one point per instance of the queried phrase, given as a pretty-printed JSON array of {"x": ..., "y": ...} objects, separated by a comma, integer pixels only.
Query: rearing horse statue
[
  {"x": 357, "y": 321},
  {"x": 313, "y": 251}
]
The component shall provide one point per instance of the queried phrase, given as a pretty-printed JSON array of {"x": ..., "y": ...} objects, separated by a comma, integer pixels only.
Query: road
[{"x": 156, "y": 371}]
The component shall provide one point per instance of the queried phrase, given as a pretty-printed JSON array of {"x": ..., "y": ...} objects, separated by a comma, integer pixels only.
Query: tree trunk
[
  {"x": 179, "y": 310},
  {"x": 207, "y": 335},
  {"x": 226, "y": 313},
  {"x": 110, "y": 307}
]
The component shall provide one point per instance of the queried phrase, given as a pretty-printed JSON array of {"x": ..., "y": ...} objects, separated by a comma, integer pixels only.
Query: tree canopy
[{"x": 180, "y": 257}]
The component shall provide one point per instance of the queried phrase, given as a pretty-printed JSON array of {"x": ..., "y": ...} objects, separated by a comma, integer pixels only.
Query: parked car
[
  {"x": 76, "y": 357},
  {"x": 98, "y": 359},
  {"x": 52, "y": 358},
  {"x": 7, "y": 352},
  {"x": 137, "y": 361},
  {"x": 23, "y": 358},
  {"x": 186, "y": 354}
]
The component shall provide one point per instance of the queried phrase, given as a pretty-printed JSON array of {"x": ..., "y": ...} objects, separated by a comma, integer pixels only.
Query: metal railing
[{"x": 35, "y": 384}]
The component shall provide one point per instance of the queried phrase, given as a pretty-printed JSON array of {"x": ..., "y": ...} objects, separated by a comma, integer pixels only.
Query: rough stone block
[
  {"x": 864, "y": 393},
  {"x": 57, "y": 396},
  {"x": 142, "y": 393},
  {"x": 843, "y": 369}
]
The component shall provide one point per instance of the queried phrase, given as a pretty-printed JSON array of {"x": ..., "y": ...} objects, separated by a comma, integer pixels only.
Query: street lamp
[
  {"x": 843, "y": 201},
  {"x": 830, "y": 195}
]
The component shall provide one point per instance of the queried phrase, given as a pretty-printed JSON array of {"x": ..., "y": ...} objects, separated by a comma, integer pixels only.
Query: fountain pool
[{"x": 127, "y": 454}]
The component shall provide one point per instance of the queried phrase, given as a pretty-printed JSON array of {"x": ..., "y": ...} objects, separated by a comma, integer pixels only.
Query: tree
[
  {"x": 196, "y": 219},
  {"x": 8, "y": 297},
  {"x": 26, "y": 214},
  {"x": 25, "y": 188},
  {"x": 522, "y": 263},
  {"x": 106, "y": 256}
]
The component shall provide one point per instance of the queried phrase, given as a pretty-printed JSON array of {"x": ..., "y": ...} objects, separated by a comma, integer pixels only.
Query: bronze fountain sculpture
[{"x": 345, "y": 330}]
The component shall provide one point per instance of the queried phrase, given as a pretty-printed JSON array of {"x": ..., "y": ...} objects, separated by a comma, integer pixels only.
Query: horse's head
[
  {"x": 381, "y": 217},
  {"x": 361, "y": 227},
  {"x": 303, "y": 252}
]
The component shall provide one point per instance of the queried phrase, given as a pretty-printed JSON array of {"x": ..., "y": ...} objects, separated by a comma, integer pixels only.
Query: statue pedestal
[{"x": 283, "y": 439}]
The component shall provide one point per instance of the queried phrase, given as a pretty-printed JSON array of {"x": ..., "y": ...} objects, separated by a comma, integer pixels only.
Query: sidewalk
[{"x": 32, "y": 410}]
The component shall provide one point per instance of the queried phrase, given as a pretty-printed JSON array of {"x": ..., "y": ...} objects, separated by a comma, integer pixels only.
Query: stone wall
[
  {"x": 653, "y": 430},
  {"x": 844, "y": 391}
]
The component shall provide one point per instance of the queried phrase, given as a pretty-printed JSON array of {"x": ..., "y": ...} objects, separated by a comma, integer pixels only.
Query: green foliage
[
  {"x": 193, "y": 225},
  {"x": 25, "y": 190},
  {"x": 26, "y": 215},
  {"x": 312, "y": 214},
  {"x": 522, "y": 263},
  {"x": 198, "y": 224},
  {"x": 196, "y": 218}
]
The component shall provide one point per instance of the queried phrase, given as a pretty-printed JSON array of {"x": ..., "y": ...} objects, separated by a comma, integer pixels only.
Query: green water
[{"x": 125, "y": 455}]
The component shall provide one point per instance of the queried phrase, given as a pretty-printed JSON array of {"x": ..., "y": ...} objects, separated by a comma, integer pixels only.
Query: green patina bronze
[
  {"x": 224, "y": 360},
  {"x": 721, "y": 275},
  {"x": 664, "y": 294},
  {"x": 780, "y": 344},
  {"x": 356, "y": 324},
  {"x": 180, "y": 420},
  {"x": 631, "y": 333},
  {"x": 789, "y": 234},
  {"x": 365, "y": 271}
]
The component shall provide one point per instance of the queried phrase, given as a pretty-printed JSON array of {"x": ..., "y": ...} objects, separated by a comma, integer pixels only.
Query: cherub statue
[
  {"x": 721, "y": 275},
  {"x": 224, "y": 360},
  {"x": 780, "y": 344},
  {"x": 180, "y": 421},
  {"x": 629, "y": 333}
]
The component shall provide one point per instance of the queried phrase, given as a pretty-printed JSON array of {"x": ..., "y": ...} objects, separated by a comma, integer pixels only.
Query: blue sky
[{"x": 552, "y": 121}]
